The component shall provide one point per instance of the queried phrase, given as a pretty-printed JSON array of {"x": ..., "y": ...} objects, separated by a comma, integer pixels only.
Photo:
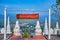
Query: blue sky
[
  {"x": 25, "y": 1},
  {"x": 42, "y": 4},
  {"x": 26, "y": 4}
]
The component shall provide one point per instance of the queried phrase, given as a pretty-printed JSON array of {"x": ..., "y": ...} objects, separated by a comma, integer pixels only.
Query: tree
[
  {"x": 58, "y": 2},
  {"x": 56, "y": 10}
]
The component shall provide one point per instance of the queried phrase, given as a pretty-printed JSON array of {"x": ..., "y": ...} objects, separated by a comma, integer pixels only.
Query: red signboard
[{"x": 27, "y": 16}]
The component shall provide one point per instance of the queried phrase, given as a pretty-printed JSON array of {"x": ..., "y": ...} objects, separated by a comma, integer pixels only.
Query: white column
[
  {"x": 8, "y": 27},
  {"x": 17, "y": 30},
  {"x": 57, "y": 28},
  {"x": 49, "y": 24},
  {"x": 5, "y": 24},
  {"x": 46, "y": 27},
  {"x": 38, "y": 30},
  {"x": 57, "y": 25}
]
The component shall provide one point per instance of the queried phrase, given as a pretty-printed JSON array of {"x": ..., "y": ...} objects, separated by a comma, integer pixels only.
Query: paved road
[
  {"x": 2, "y": 36},
  {"x": 53, "y": 37}
]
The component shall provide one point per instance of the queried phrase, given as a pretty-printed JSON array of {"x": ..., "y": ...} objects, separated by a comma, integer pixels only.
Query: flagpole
[
  {"x": 4, "y": 23},
  {"x": 49, "y": 36}
]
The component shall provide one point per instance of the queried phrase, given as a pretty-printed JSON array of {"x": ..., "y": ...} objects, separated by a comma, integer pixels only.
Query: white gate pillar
[
  {"x": 4, "y": 23},
  {"x": 49, "y": 34}
]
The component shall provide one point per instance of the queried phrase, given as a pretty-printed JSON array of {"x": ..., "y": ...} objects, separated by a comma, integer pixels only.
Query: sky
[
  {"x": 26, "y": 4},
  {"x": 26, "y": 1},
  {"x": 38, "y": 4}
]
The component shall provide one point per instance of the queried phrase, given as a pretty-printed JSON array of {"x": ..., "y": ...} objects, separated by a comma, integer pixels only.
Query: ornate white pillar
[
  {"x": 38, "y": 30},
  {"x": 17, "y": 29},
  {"x": 45, "y": 28},
  {"x": 8, "y": 27}
]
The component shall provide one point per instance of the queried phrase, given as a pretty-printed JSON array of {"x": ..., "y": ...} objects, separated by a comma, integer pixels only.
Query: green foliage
[
  {"x": 42, "y": 30},
  {"x": 58, "y": 2},
  {"x": 25, "y": 35},
  {"x": 12, "y": 30}
]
